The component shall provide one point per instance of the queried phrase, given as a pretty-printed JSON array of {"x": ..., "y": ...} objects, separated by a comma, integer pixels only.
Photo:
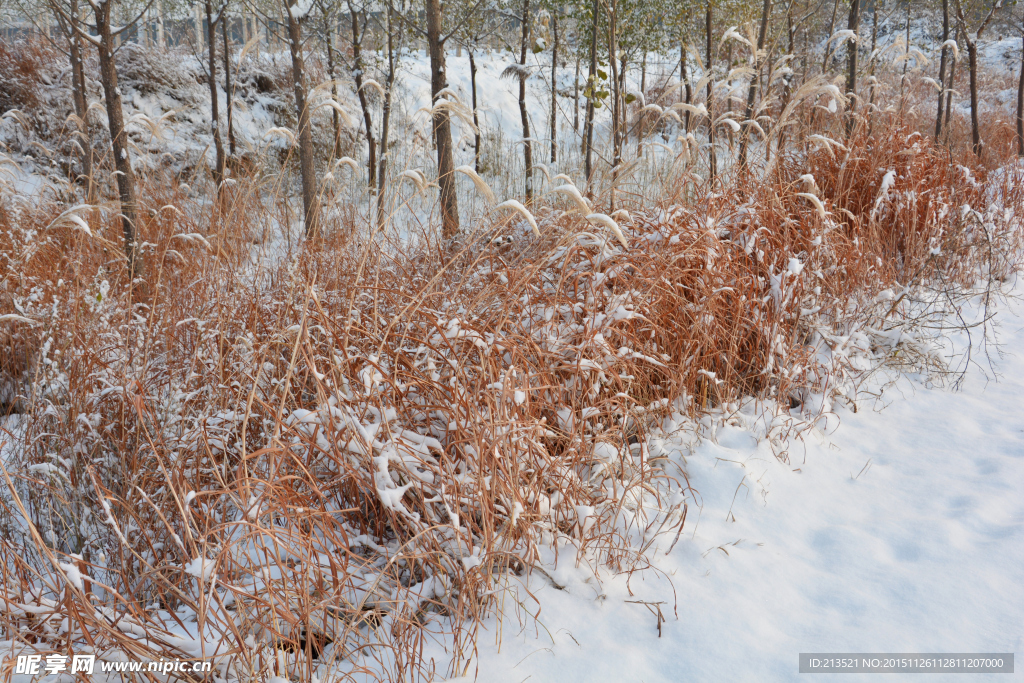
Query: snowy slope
[{"x": 902, "y": 531}]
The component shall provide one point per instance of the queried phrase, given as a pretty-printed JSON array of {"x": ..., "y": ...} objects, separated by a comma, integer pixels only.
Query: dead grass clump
[
  {"x": 23, "y": 63},
  {"x": 156, "y": 72},
  {"x": 331, "y": 460}
]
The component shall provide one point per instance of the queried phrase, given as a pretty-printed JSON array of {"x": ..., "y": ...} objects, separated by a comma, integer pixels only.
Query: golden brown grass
[{"x": 364, "y": 440}]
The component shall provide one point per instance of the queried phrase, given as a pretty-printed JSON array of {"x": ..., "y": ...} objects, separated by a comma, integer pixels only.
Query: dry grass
[{"x": 365, "y": 439}]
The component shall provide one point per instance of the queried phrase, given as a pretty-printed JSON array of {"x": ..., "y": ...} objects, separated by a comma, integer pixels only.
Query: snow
[
  {"x": 900, "y": 531},
  {"x": 201, "y": 568}
]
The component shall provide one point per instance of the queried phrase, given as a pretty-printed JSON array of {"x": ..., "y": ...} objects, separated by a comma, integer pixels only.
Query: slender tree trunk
[
  {"x": 160, "y": 25},
  {"x": 523, "y": 114},
  {"x": 118, "y": 139},
  {"x": 477, "y": 138},
  {"x": 576, "y": 98},
  {"x": 616, "y": 101},
  {"x": 310, "y": 205},
  {"x": 385, "y": 123},
  {"x": 357, "y": 59},
  {"x": 872, "y": 61},
  {"x": 712, "y": 156},
  {"x": 828, "y": 46},
  {"x": 1020, "y": 103},
  {"x": 687, "y": 86},
  {"x": 852, "y": 48},
  {"x": 554, "y": 90},
  {"x": 592, "y": 80},
  {"x": 972, "y": 61},
  {"x": 442, "y": 124},
  {"x": 949, "y": 92},
  {"x": 199, "y": 30},
  {"x": 228, "y": 90},
  {"x": 906, "y": 51},
  {"x": 621, "y": 117},
  {"x": 336, "y": 115},
  {"x": 79, "y": 96},
  {"x": 752, "y": 90},
  {"x": 211, "y": 40},
  {"x": 942, "y": 67}
]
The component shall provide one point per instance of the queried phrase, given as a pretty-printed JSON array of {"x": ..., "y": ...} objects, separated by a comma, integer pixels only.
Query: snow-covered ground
[{"x": 901, "y": 531}]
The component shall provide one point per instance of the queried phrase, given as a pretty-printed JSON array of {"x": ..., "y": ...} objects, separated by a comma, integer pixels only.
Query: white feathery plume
[
  {"x": 416, "y": 177},
  {"x": 513, "y": 204},
  {"x": 573, "y": 193},
  {"x": 370, "y": 83},
  {"x": 347, "y": 161},
  {"x": 814, "y": 200},
  {"x": 608, "y": 222},
  {"x": 481, "y": 187}
]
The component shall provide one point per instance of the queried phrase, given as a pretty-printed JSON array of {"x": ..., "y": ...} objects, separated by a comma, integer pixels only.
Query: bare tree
[
  {"x": 592, "y": 89},
  {"x": 442, "y": 122},
  {"x": 755, "y": 79},
  {"x": 393, "y": 31},
  {"x": 1020, "y": 102},
  {"x": 211, "y": 42},
  {"x": 229, "y": 91},
  {"x": 325, "y": 10},
  {"x": 78, "y": 92},
  {"x": 972, "y": 65},
  {"x": 554, "y": 88},
  {"x": 104, "y": 40},
  {"x": 476, "y": 117},
  {"x": 295, "y": 16},
  {"x": 852, "y": 48},
  {"x": 358, "y": 33},
  {"x": 942, "y": 67},
  {"x": 523, "y": 114},
  {"x": 616, "y": 97},
  {"x": 712, "y": 156}
]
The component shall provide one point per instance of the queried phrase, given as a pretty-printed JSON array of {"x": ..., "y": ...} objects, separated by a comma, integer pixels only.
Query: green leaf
[
  {"x": 630, "y": 98},
  {"x": 602, "y": 74}
]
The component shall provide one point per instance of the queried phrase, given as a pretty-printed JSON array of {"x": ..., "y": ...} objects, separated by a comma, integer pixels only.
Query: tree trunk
[
  {"x": 357, "y": 60},
  {"x": 218, "y": 145},
  {"x": 752, "y": 90},
  {"x": 906, "y": 51},
  {"x": 1020, "y": 105},
  {"x": 523, "y": 114},
  {"x": 79, "y": 96},
  {"x": 476, "y": 120},
  {"x": 160, "y": 25},
  {"x": 199, "y": 31},
  {"x": 828, "y": 46},
  {"x": 554, "y": 90},
  {"x": 228, "y": 90},
  {"x": 118, "y": 139},
  {"x": 712, "y": 156},
  {"x": 442, "y": 124},
  {"x": 336, "y": 118},
  {"x": 616, "y": 102},
  {"x": 972, "y": 61},
  {"x": 872, "y": 58},
  {"x": 687, "y": 86},
  {"x": 592, "y": 80},
  {"x": 949, "y": 92},
  {"x": 310, "y": 205},
  {"x": 385, "y": 124},
  {"x": 942, "y": 67},
  {"x": 576, "y": 98},
  {"x": 852, "y": 49},
  {"x": 617, "y": 71}
]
